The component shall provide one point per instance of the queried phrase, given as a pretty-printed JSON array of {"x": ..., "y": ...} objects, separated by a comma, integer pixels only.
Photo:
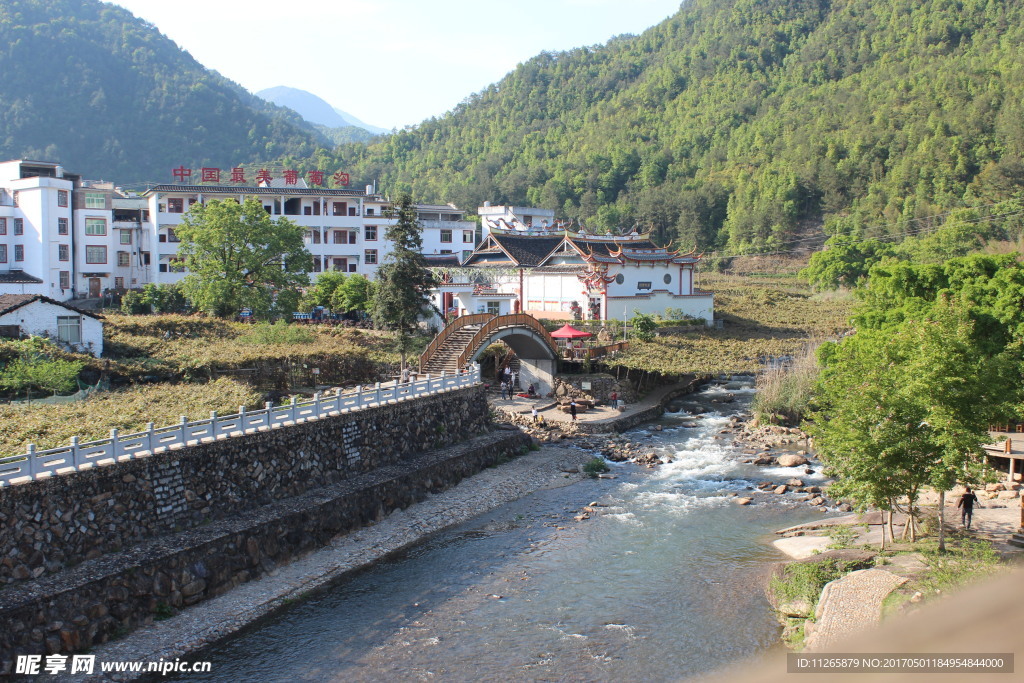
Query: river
[{"x": 666, "y": 583}]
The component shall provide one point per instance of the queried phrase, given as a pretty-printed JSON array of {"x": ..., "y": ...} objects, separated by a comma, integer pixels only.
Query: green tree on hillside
[
  {"x": 237, "y": 256},
  {"x": 403, "y": 279}
]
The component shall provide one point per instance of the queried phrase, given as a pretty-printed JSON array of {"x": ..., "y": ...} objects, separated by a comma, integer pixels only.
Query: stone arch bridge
[{"x": 463, "y": 340}]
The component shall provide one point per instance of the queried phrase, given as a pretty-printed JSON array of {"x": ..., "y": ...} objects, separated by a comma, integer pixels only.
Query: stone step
[{"x": 1017, "y": 540}]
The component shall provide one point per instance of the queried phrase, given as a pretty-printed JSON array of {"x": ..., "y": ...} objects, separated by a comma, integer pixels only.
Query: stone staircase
[
  {"x": 447, "y": 356},
  {"x": 1017, "y": 540}
]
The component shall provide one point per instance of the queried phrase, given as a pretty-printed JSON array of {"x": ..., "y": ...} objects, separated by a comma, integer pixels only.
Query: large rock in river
[{"x": 790, "y": 460}]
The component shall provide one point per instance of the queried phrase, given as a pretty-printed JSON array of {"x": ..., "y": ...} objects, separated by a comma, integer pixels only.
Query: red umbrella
[{"x": 570, "y": 332}]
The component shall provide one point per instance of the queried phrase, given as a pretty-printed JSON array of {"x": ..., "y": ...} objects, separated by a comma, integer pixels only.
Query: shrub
[
  {"x": 643, "y": 326},
  {"x": 595, "y": 467},
  {"x": 133, "y": 302},
  {"x": 278, "y": 333},
  {"x": 784, "y": 391},
  {"x": 37, "y": 368},
  {"x": 803, "y": 581}
]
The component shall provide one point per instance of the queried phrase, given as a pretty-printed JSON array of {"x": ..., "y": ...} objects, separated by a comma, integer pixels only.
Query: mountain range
[
  {"x": 105, "y": 93},
  {"x": 315, "y": 109},
  {"x": 734, "y": 124}
]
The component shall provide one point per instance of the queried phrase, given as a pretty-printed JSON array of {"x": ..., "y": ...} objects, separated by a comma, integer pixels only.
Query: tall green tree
[
  {"x": 238, "y": 256},
  {"x": 354, "y": 294},
  {"x": 403, "y": 279},
  {"x": 321, "y": 292},
  {"x": 907, "y": 407}
]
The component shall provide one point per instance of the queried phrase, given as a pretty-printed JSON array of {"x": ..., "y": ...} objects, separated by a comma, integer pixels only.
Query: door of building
[{"x": 94, "y": 287}]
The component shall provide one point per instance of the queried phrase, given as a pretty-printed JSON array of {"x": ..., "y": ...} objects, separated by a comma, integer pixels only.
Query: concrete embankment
[{"x": 104, "y": 597}]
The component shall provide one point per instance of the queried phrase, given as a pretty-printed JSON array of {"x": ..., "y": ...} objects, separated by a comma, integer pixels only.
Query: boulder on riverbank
[{"x": 791, "y": 460}]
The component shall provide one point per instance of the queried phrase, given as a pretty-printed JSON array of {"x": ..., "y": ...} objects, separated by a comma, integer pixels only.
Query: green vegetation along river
[{"x": 667, "y": 582}]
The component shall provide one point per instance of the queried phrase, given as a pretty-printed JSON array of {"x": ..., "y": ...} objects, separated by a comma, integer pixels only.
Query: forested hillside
[
  {"x": 88, "y": 84},
  {"x": 737, "y": 123}
]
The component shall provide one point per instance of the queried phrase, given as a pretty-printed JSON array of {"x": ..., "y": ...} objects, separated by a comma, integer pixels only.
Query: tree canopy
[
  {"x": 237, "y": 256},
  {"x": 403, "y": 279}
]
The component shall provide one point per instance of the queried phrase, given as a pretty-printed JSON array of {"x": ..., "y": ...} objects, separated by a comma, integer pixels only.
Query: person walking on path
[
  {"x": 534, "y": 414},
  {"x": 504, "y": 389},
  {"x": 572, "y": 410},
  {"x": 966, "y": 506}
]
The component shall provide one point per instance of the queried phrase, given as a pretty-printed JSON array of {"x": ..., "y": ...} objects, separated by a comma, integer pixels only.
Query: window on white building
[
  {"x": 95, "y": 200},
  {"x": 643, "y": 285},
  {"x": 69, "y": 328},
  {"x": 63, "y": 252},
  {"x": 95, "y": 226},
  {"x": 466, "y": 253},
  {"x": 467, "y": 237},
  {"x": 124, "y": 259},
  {"x": 19, "y": 252},
  {"x": 371, "y": 257},
  {"x": 176, "y": 205},
  {"x": 19, "y": 226},
  {"x": 370, "y": 233},
  {"x": 126, "y": 237},
  {"x": 119, "y": 283},
  {"x": 3, "y": 253},
  {"x": 493, "y": 307},
  {"x": 3, "y": 226},
  {"x": 94, "y": 254},
  {"x": 446, "y": 236},
  {"x": 62, "y": 198},
  {"x": 65, "y": 279},
  {"x": 62, "y": 226},
  {"x": 171, "y": 236},
  {"x": 340, "y": 237}
]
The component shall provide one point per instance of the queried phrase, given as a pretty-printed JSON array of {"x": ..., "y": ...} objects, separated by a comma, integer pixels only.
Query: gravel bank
[{"x": 212, "y": 620}]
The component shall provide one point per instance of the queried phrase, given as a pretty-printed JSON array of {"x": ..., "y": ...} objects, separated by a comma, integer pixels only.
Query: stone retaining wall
[
  {"x": 110, "y": 595},
  {"x": 51, "y": 524}
]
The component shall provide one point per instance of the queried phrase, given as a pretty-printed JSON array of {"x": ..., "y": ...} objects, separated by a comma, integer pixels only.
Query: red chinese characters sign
[{"x": 211, "y": 174}]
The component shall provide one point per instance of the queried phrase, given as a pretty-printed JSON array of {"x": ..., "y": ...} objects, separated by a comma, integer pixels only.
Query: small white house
[{"x": 37, "y": 315}]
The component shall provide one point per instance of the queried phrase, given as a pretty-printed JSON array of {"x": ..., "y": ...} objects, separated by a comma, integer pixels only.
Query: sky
[{"x": 390, "y": 63}]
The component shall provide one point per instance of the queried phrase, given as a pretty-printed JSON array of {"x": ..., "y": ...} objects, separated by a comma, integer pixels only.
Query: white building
[
  {"x": 551, "y": 272},
  {"x": 64, "y": 237},
  {"x": 344, "y": 228},
  {"x": 40, "y": 316},
  {"x": 36, "y": 240}
]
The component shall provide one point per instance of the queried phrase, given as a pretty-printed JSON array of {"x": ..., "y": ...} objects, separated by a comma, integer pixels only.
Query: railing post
[
  {"x": 75, "y": 452},
  {"x": 184, "y": 429},
  {"x": 268, "y": 407},
  {"x": 113, "y": 443},
  {"x": 150, "y": 437},
  {"x": 241, "y": 419},
  {"x": 291, "y": 408},
  {"x": 31, "y": 460},
  {"x": 213, "y": 423},
  {"x": 316, "y": 404},
  {"x": 377, "y": 387}
]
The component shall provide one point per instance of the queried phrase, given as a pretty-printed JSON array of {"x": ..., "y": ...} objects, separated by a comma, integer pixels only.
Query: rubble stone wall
[{"x": 55, "y": 523}]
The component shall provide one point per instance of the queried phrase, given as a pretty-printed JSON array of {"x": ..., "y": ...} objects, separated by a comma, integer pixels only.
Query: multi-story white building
[
  {"x": 36, "y": 241},
  {"x": 63, "y": 237},
  {"x": 344, "y": 228}
]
